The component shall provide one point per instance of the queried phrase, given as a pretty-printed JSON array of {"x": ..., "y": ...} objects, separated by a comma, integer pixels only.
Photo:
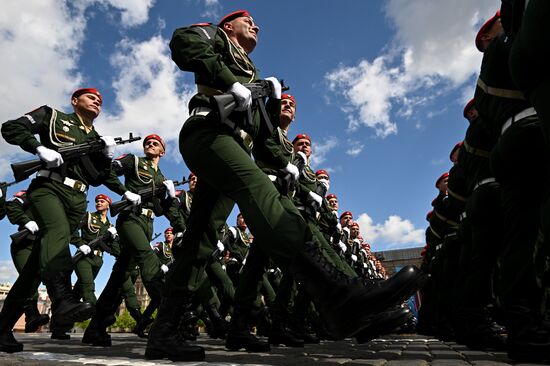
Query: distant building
[{"x": 393, "y": 260}]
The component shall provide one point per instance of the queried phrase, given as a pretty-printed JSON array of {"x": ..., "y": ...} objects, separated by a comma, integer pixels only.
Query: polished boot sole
[
  {"x": 11, "y": 348},
  {"x": 78, "y": 313},
  {"x": 155, "y": 354},
  {"x": 383, "y": 325},
  {"x": 33, "y": 325}
]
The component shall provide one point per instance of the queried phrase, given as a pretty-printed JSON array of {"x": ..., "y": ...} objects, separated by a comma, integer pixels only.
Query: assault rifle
[
  {"x": 70, "y": 154},
  {"x": 101, "y": 242},
  {"x": 225, "y": 104},
  {"x": 5, "y": 185},
  {"x": 18, "y": 237},
  {"x": 147, "y": 194}
]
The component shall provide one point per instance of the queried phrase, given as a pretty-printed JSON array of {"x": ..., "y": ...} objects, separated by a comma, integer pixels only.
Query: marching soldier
[
  {"x": 19, "y": 213},
  {"x": 219, "y": 155},
  {"x": 135, "y": 229},
  {"x": 58, "y": 202}
]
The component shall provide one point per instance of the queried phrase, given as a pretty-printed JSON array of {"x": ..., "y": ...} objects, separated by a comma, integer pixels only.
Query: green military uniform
[
  {"x": 58, "y": 195},
  {"x": 3, "y": 193},
  {"x": 135, "y": 230},
  {"x": 19, "y": 214},
  {"x": 87, "y": 268},
  {"x": 163, "y": 250}
]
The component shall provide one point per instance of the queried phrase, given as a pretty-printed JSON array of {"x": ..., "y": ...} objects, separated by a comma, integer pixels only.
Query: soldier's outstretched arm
[{"x": 21, "y": 131}]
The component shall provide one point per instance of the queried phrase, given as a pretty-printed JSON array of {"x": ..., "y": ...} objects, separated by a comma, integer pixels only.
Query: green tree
[{"x": 124, "y": 321}]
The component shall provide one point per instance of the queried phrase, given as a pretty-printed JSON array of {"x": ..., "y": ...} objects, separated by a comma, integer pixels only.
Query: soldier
[
  {"x": 58, "y": 202},
  {"x": 95, "y": 225},
  {"x": 3, "y": 192},
  {"x": 219, "y": 155},
  {"x": 519, "y": 158},
  {"x": 163, "y": 249},
  {"x": 19, "y": 213},
  {"x": 135, "y": 229}
]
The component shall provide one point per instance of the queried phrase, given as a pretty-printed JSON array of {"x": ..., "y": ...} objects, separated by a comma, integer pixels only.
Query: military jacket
[
  {"x": 57, "y": 129},
  {"x": 277, "y": 141},
  {"x": 3, "y": 203},
  {"x": 18, "y": 210},
  {"x": 92, "y": 227},
  {"x": 238, "y": 245},
  {"x": 217, "y": 64},
  {"x": 504, "y": 100},
  {"x": 139, "y": 174},
  {"x": 163, "y": 250}
]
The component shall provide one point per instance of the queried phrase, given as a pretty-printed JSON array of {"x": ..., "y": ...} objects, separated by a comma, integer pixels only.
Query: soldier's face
[
  {"x": 244, "y": 32},
  {"x": 333, "y": 203},
  {"x": 304, "y": 146},
  {"x": 169, "y": 236},
  {"x": 288, "y": 111},
  {"x": 192, "y": 183},
  {"x": 101, "y": 204},
  {"x": 88, "y": 105},
  {"x": 354, "y": 232},
  {"x": 472, "y": 114},
  {"x": 153, "y": 148},
  {"x": 442, "y": 186},
  {"x": 240, "y": 222},
  {"x": 346, "y": 220},
  {"x": 323, "y": 176}
]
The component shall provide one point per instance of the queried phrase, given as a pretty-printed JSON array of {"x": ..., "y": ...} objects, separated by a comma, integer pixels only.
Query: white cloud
[
  {"x": 321, "y": 149},
  {"x": 433, "y": 50},
  {"x": 354, "y": 147},
  {"x": 8, "y": 273},
  {"x": 146, "y": 89},
  {"x": 212, "y": 9},
  {"x": 393, "y": 233},
  {"x": 132, "y": 12}
]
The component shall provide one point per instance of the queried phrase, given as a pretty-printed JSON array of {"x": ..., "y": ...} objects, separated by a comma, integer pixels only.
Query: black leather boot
[
  {"x": 96, "y": 334},
  {"x": 9, "y": 315},
  {"x": 187, "y": 325},
  {"x": 346, "y": 304},
  {"x": 164, "y": 341},
  {"x": 141, "y": 322},
  {"x": 527, "y": 340},
  {"x": 474, "y": 329},
  {"x": 65, "y": 308},
  {"x": 33, "y": 318},
  {"x": 384, "y": 323},
  {"x": 59, "y": 331},
  {"x": 218, "y": 329},
  {"x": 281, "y": 334},
  {"x": 239, "y": 336}
]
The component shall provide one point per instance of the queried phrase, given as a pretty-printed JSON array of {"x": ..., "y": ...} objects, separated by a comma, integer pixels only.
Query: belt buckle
[{"x": 78, "y": 185}]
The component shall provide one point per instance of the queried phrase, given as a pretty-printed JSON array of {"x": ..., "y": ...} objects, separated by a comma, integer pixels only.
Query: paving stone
[{"x": 489, "y": 363}]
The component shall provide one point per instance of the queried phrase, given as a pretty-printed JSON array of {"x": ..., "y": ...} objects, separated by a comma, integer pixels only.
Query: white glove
[
  {"x": 179, "y": 234},
  {"x": 52, "y": 158},
  {"x": 242, "y": 95},
  {"x": 113, "y": 232},
  {"x": 170, "y": 189},
  {"x": 220, "y": 246},
  {"x": 233, "y": 231},
  {"x": 324, "y": 182},
  {"x": 354, "y": 257},
  {"x": 315, "y": 197},
  {"x": 110, "y": 146},
  {"x": 1, "y": 193},
  {"x": 277, "y": 89},
  {"x": 343, "y": 246},
  {"x": 302, "y": 155},
  {"x": 31, "y": 226},
  {"x": 132, "y": 197},
  {"x": 293, "y": 170},
  {"x": 338, "y": 225},
  {"x": 357, "y": 241},
  {"x": 365, "y": 265},
  {"x": 85, "y": 249},
  {"x": 164, "y": 268},
  {"x": 346, "y": 230}
]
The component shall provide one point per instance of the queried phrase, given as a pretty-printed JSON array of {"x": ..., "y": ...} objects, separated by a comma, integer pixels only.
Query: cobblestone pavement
[{"x": 408, "y": 350}]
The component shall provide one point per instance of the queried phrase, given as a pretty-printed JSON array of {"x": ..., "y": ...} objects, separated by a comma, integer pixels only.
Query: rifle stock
[
  {"x": 21, "y": 235},
  {"x": 94, "y": 244}
]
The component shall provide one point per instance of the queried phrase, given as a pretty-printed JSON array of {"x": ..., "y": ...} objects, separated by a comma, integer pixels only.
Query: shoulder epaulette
[
  {"x": 121, "y": 157},
  {"x": 20, "y": 194},
  {"x": 201, "y": 24}
]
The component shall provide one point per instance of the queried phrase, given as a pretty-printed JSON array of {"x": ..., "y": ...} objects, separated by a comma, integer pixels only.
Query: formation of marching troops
[
  {"x": 486, "y": 249},
  {"x": 292, "y": 266}
]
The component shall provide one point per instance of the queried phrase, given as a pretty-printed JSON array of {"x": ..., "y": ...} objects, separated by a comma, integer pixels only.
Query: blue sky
[{"x": 380, "y": 88}]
